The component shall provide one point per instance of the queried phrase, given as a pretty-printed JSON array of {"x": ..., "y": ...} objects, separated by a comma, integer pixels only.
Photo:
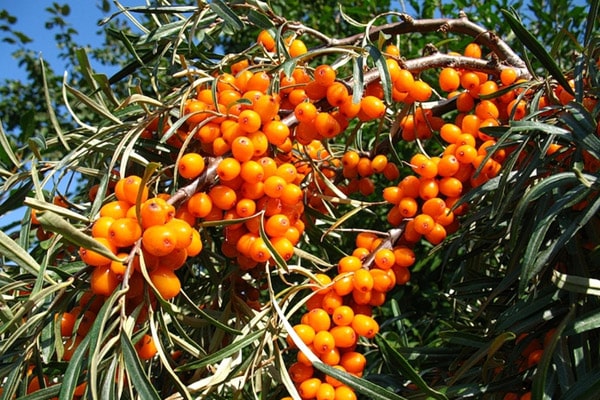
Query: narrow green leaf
[
  {"x": 384, "y": 72},
  {"x": 100, "y": 109},
  {"x": 592, "y": 19},
  {"x": 259, "y": 19},
  {"x": 587, "y": 387},
  {"x": 135, "y": 370},
  {"x": 397, "y": 362},
  {"x": 362, "y": 386},
  {"x": 73, "y": 370},
  {"x": 54, "y": 223},
  {"x": 537, "y": 49},
  {"x": 229, "y": 17},
  {"x": 358, "y": 79},
  {"x": 584, "y": 323},
  {"x": 6, "y": 147},
  {"x": 50, "y": 109},
  {"x": 480, "y": 354},
  {"x": 11, "y": 250},
  {"x": 539, "y": 381},
  {"x": 223, "y": 353},
  {"x": 577, "y": 284}
]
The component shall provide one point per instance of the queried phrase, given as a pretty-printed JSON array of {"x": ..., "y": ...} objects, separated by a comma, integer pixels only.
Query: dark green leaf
[
  {"x": 537, "y": 49},
  {"x": 135, "y": 370}
]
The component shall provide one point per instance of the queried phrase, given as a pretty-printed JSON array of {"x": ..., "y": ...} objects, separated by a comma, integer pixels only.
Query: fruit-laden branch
[{"x": 502, "y": 51}]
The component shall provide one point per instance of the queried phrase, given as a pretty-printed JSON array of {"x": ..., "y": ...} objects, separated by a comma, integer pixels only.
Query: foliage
[{"x": 504, "y": 304}]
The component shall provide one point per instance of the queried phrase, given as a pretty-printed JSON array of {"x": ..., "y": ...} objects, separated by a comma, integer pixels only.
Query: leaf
[
  {"x": 396, "y": 361},
  {"x": 486, "y": 350},
  {"x": 73, "y": 370},
  {"x": 50, "y": 109},
  {"x": 135, "y": 371},
  {"x": 384, "y": 72},
  {"x": 223, "y": 353},
  {"x": 539, "y": 381},
  {"x": 53, "y": 222},
  {"x": 362, "y": 386},
  {"x": 11, "y": 250},
  {"x": 584, "y": 323},
  {"x": 229, "y": 17},
  {"x": 6, "y": 147},
  {"x": 537, "y": 49},
  {"x": 577, "y": 284}
]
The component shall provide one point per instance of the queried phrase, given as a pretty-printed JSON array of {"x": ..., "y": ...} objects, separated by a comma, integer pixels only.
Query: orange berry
[
  {"x": 166, "y": 282},
  {"x": 365, "y": 325},
  {"x": 115, "y": 209},
  {"x": 124, "y": 232},
  {"x": 508, "y": 76},
  {"x": 372, "y": 106},
  {"x": 408, "y": 207},
  {"x": 223, "y": 197},
  {"x": 472, "y": 50},
  {"x": 199, "y": 205},
  {"x": 323, "y": 342},
  {"x": 259, "y": 251},
  {"x": 420, "y": 91},
  {"x": 305, "y": 112},
  {"x": 349, "y": 264},
  {"x": 449, "y": 79},
  {"x": 191, "y": 165},
  {"x": 342, "y": 316},
  {"x": 300, "y": 372},
  {"x": 405, "y": 81},
  {"x": 266, "y": 40},
  {"x": 103, "y": 281},
  {"x": 95, "y": 259},
  {"x": 297, "y": 48},
  {"x": 362, "y": 280},
  {"x": 277, "y": 132},
  {"x": 423, "y": 223},
  {"x": 324, "y": 75},
  {"x": 353, "y": 362},
  {"x": 127, "y": 189},
  {"x": 344, "y": 392},
  {"x": 309, "y": 388},
  {"x": 384, "y": 259},
  {"x": 305, "y": 332},
  {"x": 249, "y": 121},
  {"x": 101, "y": 227},
  {"x": 465, "y": 153},
  {"x": 159, "y": 240},
  {"x": 146, "y": 348},
  {"x": 155, "y": 211},
  {"x": 318, "y": 319}
]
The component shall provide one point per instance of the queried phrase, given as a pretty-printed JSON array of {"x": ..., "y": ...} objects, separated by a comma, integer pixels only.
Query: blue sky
[{"x": 31, "y": 16}]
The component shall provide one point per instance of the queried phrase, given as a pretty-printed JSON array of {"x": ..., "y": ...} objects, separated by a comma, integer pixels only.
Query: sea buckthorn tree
[{"x": 311, "y": 213}]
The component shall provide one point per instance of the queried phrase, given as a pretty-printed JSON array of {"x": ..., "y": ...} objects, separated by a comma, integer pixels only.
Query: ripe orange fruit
[
  {"x": 67, "y": 322},
  {"x": 223, "y": 197},
  {"x": 124, "y": 232},
  {"x": 155, "y": 211},
  {"x": 95, "y": 259},
  {"x": 166, "y": 282},
  {"x": 191, "y": 165},
  {"x": 353, "y": 362},
  {"x": 159, "y": 240},
  {"x": 146, "y": 348},
  {"x": 127, "y": 189},
  {"x": 266, "y": 40},
  {"x": 365, "y": 325},
  {"x": 449, "y": 79},
  {"x": 297, "y": 48},
  {"x": 372, "y": 107},
  {"x": 115, "y": 209},
  {"x": 103, "y": 281}
]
